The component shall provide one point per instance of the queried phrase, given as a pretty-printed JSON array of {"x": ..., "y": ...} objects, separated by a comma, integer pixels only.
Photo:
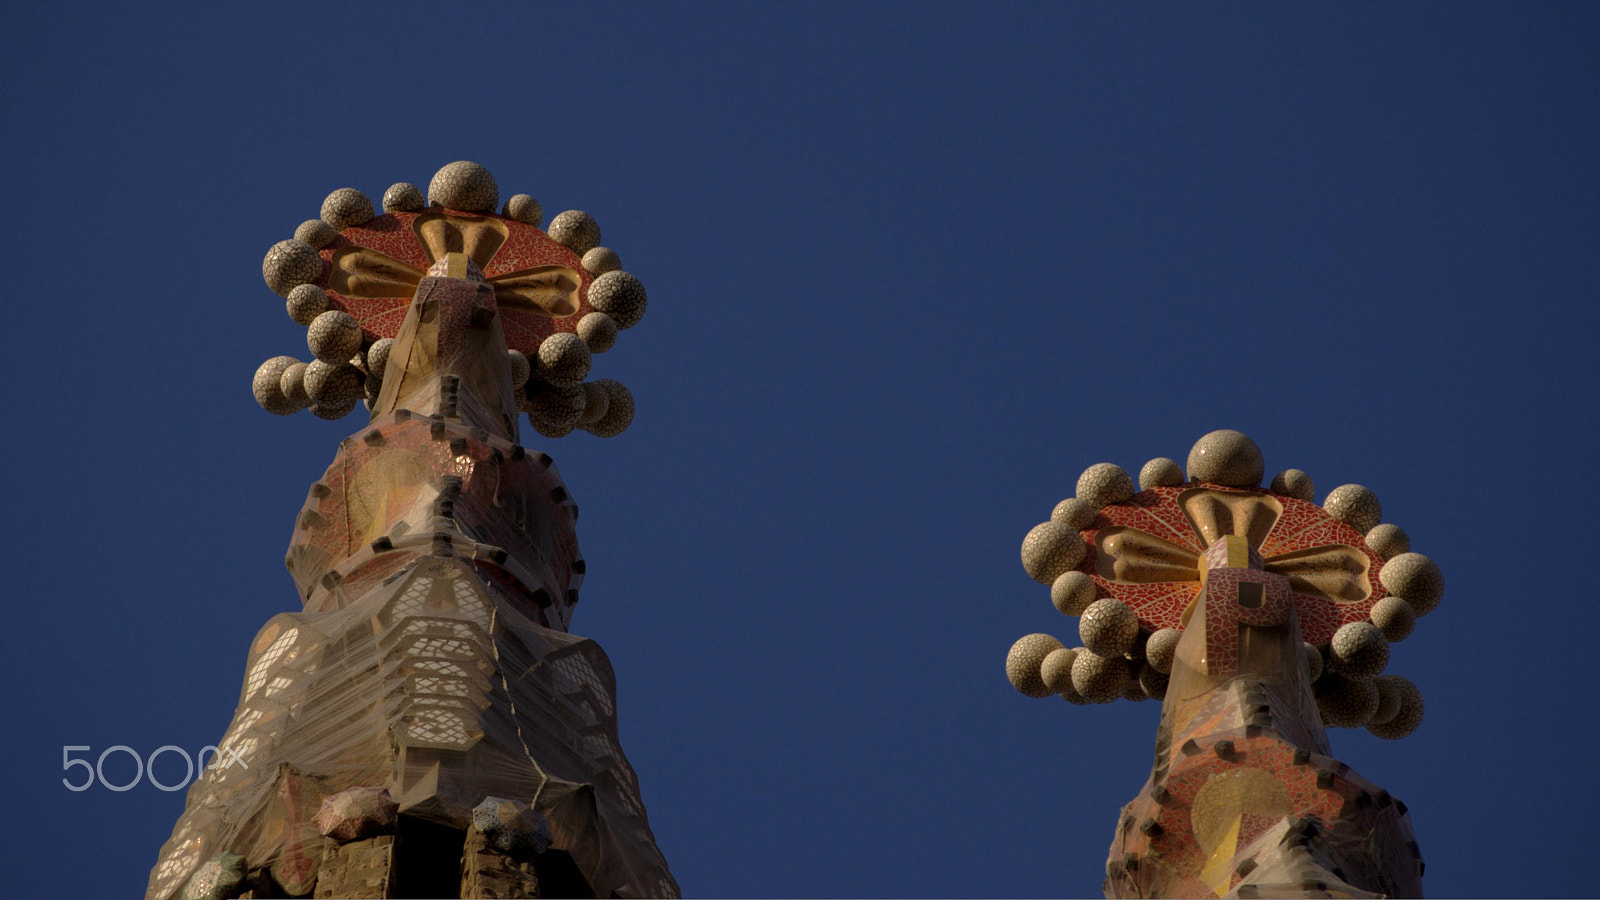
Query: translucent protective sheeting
[{"x": 438, "y": 566}]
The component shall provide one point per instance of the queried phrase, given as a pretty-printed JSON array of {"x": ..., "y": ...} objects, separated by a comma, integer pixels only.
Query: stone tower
[
  {"x": 426, "y": 725},
  {"x": 1258, "y": 619}
]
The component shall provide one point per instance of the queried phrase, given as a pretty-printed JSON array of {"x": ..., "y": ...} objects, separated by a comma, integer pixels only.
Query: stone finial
[
  {"x": 512, "y": 827},
  {"x": 1226, "y": 457},
  {"x": 356, "y": 813}
]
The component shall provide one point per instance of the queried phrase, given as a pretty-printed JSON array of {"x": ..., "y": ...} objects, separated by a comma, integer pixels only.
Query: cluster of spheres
[
  {"x": 1120, "y": 657},
  {"x": 348, "y": 360}
]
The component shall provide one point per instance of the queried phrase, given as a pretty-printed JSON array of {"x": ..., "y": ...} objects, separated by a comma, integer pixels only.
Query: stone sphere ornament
[
  {"x": 596, "y": 403},
  {"x": 1049, "y": 550},
  {"x": 576, "y": 229},
  {"x": 619, "y": 411},
  {"x": 1024, "y": 660},
  {"x": 619, "y": 295},
  {"x": 1226, "y": 457},
  {"x": 563, "y": 359},
  {"x": 1355, "y": 505},
  {"x": 378, "y": 357},
  {"x": 1345, "y": 702},
  {"x": 1162, "y": 649},
  {"x": 316, "y": 232},
  {"x": 1414, "y": 578},
  {"x": 1406, "y": 700},
  {"x": 1394, "y": 617},
  {"x": 1313, "y": 658},
  {"x": 267, "y": 386},
  {"x": 554, "y": 409},
  {"x": 403, "y": 196},
  {"x": 1388, "y": 541},
  {"x": 1359, "y": 650},
  {"x": 599, "y": 331},
  {"x": 1108, "y": 627},
  {"x": 466, "y": 186},
  {"x": 512, "y": 827},
  {"x": 289, "y": 264},
  {"x": 1072, "y": 592},
  {"x": 1154, "y": 682},
  {"x": 346, "y": 208},
  {"x": 1074, "y": 513},
  {"x": 1103, "y": 484},
  {"x": 600, "y": 260},
  {"x": 305, "y": 303},
  {"x": 1099, "y": 679},
  {"x": 521, "y": 368},
  {"x": 331, "y": 384},
  {"x": 293, "y": 384},
  {"x": 1160, "y": 472},
  {"x": 1056, "y": 670},
  {"x": 334, "y": 336},
  {"x": 1294, "y": 483},
  {"x": 523, "y": 208}
]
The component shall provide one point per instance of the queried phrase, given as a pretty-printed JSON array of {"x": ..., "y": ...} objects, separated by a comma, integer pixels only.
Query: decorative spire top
[
  {"x": 350, "y": 275},
  {"x": 1133, "y": 565}
]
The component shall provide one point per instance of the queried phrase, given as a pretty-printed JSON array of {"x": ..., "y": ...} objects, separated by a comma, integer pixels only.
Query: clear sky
[{"x": 911, "y": 269}]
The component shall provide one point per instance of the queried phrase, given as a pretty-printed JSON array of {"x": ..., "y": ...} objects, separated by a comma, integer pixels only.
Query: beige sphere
[
  {"x": 1358, "y": 650},
  {"x": 598, "y": 330},
  {"x": 1103, "y": 484},
  {"x": 1154, "y": 682},
  {"x": 523, "y": 208},
  {"x": 619, "y": 412},
  {"x": 619, "y": 295},
  {"x": 1024, "y": 662},
  {"x": 1388, "y": 541},
  {"x": 564, "y": 359},
  {"x": 1313, "y": 658},
  {"x": 1099, "y": 679},
  {"x": 1226, "y": 457},
  {"x": 378, "y": 357},
  {"x": 1074, "y": 513},
  {"x": 293, "y": 385},
  {"x": 1056, "y": 670},
  {"x": 1394, "y": 617},
  {"x": 346, "y": 208},
  {"x": 1162, "y": 649},
  {"x": 1416, "y": 579},
  {"x": 576, "y": 229},
  {"x": 289, "y": 264},
  {"x": 551, "y": 408},
  {"x": 1049, "y": 549},
  {"x": 330, "y": 384},
  {"x": 335, "y": 410},
  {"x": 316, "y": 232},
  {"x": 1108, "y": 627},
  {"x": 1355, "y": 505},
  {"x": 1294, "y": 483},
  {"x": 1160, "y": 472},
  {"x": 464, "y": 185},
  {"x": 305, "y": 303},
  {"x": 1388, "y": 700},
  {"x": 1407, "y": 715},
  {"x": 403, "y": 196},
  {"x": 1345, "y": 702},
  {"x": 1071, "y": 695},
  {"x": 333, "y": 336},
  {"x": 600, "y": 260},
  {"x": 267, "y": 388},
  {"x": 521, "y": 368},
  {"x": 1072, "y": 592},
  {"x": 596, "y": 403}
]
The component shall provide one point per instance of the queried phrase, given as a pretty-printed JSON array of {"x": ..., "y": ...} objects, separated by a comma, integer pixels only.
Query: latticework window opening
[{"x": 258, "y": 672}]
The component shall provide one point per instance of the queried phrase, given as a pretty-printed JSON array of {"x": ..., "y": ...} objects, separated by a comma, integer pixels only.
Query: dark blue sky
[{"x": 911, "y": 269}]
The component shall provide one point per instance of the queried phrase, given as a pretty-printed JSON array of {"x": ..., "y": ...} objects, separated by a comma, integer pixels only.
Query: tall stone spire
[
  {"x": 427, "y": 725},
  {"x": 1258, "y": 619}
]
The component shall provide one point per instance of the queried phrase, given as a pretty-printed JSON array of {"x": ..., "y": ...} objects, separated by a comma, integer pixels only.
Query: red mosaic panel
[
  {"x": 526, "y": 247},
  {"x": 1302, "y": 526}
]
